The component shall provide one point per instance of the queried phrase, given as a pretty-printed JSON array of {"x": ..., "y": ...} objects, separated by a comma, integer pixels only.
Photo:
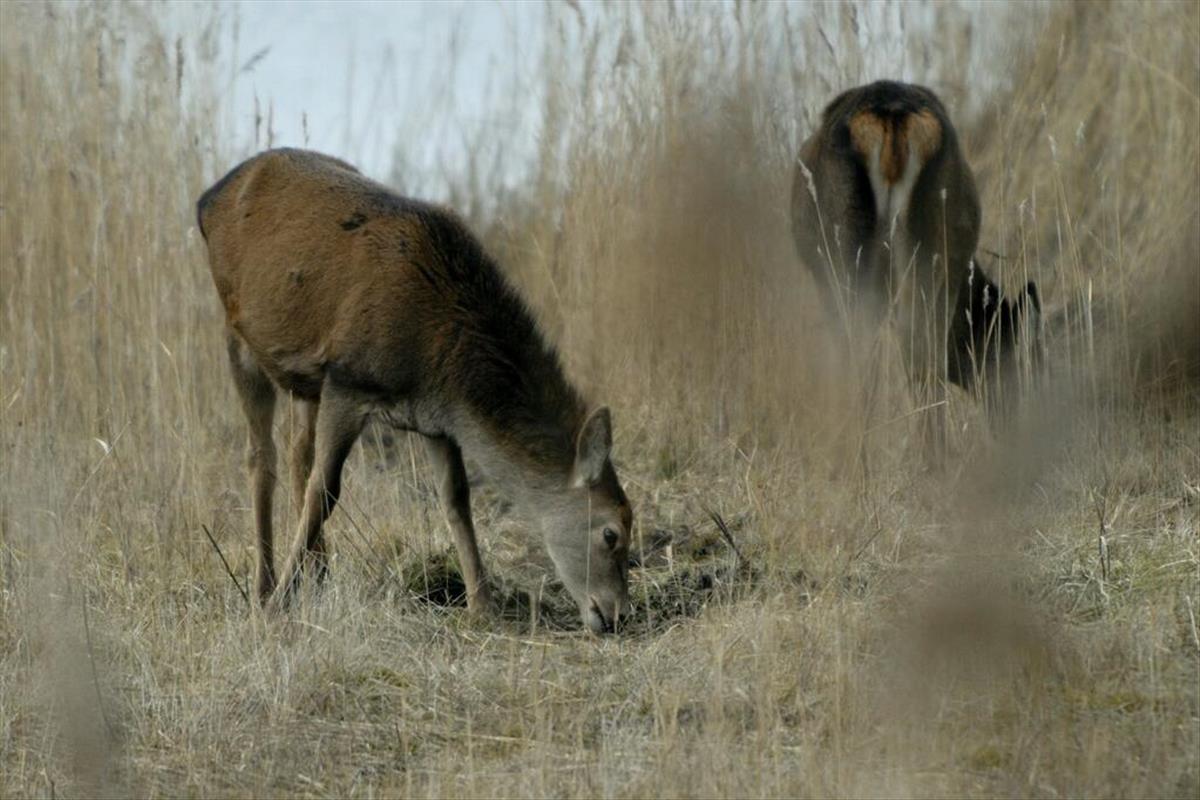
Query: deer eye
[{"x": 610, "y": 537}]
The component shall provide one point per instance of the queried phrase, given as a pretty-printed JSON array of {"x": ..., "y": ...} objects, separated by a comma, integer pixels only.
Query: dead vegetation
[{"x": 1024, "y": 623}]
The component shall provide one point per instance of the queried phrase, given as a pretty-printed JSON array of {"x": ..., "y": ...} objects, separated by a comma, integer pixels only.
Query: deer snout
[{"x": 603, "y": 614}]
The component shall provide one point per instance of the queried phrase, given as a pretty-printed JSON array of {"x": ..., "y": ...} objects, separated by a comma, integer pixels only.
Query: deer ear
[{"x": 592, "y": 447}]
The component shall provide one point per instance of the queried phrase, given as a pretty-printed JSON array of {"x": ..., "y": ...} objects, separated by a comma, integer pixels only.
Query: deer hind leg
[
  {"x": 303, "y": 437},
  {"x": 303, "y": 446},
  {"x": 257, "y": 395},
  {"x": 335, "y": 430},
  {"x": 456, "y": 499}
]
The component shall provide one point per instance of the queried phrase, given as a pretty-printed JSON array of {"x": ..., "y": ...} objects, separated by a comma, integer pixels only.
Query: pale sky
[
  {"x": 377, "y": 77},
  {"x": 370, "y": 74}
]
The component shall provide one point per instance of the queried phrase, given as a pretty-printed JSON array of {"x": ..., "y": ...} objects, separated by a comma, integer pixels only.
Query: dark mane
[{"x": 514, "y": 377}]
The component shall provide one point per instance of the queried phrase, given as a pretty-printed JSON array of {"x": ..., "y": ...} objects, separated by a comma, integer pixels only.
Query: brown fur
[
  {"x": 869, "y": 132},
  {"x": 893, "y": 137},
  {"x": 362, "y": 303},
  {"x": 925, "y": 132}
]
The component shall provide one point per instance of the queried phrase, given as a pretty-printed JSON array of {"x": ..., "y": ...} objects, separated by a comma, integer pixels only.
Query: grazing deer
[
  {"x": 886, "y": 216},
  {"x": 361, "y": 304}
]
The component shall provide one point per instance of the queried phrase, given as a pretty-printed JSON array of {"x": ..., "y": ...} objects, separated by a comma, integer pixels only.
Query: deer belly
[{"x": 418, "y": 415}]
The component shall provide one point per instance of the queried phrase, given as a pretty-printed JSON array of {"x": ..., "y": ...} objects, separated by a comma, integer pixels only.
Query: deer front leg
[{"x": 456, "y": 500}]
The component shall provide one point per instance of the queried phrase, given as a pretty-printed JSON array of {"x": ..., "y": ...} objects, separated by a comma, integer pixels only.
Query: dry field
[{"x": 1023, "y": 622}]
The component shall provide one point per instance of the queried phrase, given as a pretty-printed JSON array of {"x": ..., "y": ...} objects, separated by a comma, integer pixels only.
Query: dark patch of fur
[
  {"x": 885, "y": 99},
  {"x": 355, "y": 220}
]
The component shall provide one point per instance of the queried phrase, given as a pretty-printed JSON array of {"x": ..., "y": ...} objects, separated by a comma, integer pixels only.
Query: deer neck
[
  {"x": 529, "y": 464},
  {"x": 518, "y": 419},
  {"x": 515, "y": 412}
]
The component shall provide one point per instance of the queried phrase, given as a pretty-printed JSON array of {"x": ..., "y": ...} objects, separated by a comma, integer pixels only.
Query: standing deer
[
  {"x": 360, "y": 304},
  {"x": 886, "y": 216}
]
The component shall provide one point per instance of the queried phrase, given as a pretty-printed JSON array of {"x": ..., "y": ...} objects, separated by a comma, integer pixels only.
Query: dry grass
[{"x": 1024, "y": 623}]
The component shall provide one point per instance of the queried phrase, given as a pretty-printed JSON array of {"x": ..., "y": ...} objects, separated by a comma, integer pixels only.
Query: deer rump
[{"x": 885, "y": 211}]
